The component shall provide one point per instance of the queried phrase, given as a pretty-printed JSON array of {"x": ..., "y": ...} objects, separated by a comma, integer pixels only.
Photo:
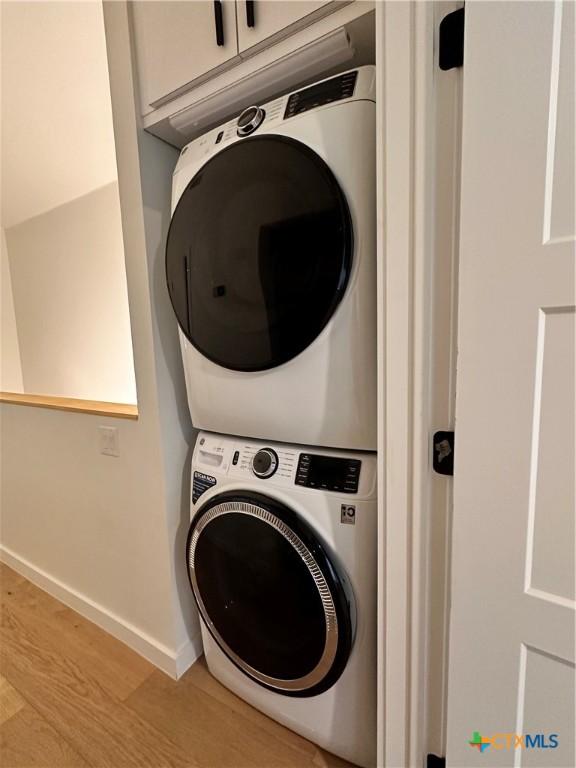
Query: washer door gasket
[{"x": 269, "y": 593}]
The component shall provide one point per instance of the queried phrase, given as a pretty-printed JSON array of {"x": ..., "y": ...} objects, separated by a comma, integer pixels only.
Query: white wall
[
  {"x": 60, "y": 206},
  {"x": 69, "y": 288},
  {"x": 10, "y": 365},
  {"x": 145, "y": 166},
  {"x": 93, "y": 525},
  {"x": 107, "y": 534},
  {"x": 57, "y": 137}
]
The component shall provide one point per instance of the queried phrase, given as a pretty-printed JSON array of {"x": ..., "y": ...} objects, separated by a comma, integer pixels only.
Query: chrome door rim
[{"x": 331, "y": 621}]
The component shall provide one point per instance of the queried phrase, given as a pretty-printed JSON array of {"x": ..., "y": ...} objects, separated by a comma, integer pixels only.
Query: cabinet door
[
  {"x": 176, "y": 44},
  {"x": 264, "y": 18}
]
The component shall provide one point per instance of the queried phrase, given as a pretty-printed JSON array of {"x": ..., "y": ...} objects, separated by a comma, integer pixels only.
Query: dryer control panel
[
  {"x": 334, "y": 89},
  {"x": 358, "y": 84}
]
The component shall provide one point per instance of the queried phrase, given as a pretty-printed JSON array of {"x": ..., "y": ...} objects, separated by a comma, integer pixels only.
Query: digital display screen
[
  {"x": 341, "y": 87},
  {"x": 328, "y": 472}
]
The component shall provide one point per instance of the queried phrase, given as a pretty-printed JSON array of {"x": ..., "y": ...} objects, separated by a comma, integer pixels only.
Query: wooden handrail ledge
[{"x": 96, "y": 407}]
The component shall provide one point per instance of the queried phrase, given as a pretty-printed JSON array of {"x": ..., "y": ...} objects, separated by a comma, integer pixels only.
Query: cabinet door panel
[
  {"x": 274, "y": 16},
  {"x": 176, "y": 44}
]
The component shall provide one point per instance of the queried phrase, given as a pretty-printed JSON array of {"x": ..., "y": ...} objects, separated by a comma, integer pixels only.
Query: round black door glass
[
  {"x": 260, "y": 600},
  {"x": 259, "y": 253}
]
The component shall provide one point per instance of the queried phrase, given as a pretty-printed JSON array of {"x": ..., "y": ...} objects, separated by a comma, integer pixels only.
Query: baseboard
[{"x": 173, "y": 663}]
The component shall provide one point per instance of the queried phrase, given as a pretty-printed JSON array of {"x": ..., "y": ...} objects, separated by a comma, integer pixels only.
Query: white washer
[
  {"x": 282, "y": 562},
  {"x": 271, "y": 268}
]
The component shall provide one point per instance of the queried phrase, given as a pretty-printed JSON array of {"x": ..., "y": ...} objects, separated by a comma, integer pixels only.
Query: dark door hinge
[
  {"x": 433, "y": 761},
  {"x": 443, "y": 452},
  {"x": 451, "y": 41}
]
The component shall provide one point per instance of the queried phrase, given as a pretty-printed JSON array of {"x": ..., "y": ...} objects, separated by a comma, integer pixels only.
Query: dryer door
[
  {"x": 259, "y": 253},
  {"x": 269, "y": 594}
]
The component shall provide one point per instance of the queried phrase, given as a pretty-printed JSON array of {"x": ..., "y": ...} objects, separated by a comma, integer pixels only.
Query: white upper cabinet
[
  {"x": 178, "y": 43},
  {"x": 261, "y": 19}
]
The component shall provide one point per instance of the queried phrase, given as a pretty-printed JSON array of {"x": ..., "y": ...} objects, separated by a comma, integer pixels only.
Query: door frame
[{"x": 418, "y": 153}]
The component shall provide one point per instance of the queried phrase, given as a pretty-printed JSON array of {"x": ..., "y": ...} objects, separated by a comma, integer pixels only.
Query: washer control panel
[
  {"x": 329, "y": 473},
  {"x": 219, "y": 459}
]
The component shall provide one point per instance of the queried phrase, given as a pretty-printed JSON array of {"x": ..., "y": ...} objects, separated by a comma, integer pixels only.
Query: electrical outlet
[{"x": 109, "y": 441}]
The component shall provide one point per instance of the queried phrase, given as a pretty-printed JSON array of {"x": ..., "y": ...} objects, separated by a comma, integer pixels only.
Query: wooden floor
[{"x": 71, "y": 695}]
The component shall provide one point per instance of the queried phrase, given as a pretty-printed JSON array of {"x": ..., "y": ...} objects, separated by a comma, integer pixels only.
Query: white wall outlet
[{"x": 109, "y": 441}]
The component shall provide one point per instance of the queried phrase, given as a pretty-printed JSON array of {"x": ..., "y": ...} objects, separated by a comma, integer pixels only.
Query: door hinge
[
  {"x": 443, "y": 452},
  {"x": 433, "y": 761},
  {"x": 451, "y": 40}
]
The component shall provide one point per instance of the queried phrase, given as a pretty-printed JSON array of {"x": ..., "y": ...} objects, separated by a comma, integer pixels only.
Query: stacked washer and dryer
[{"x": 271, "y": 270}]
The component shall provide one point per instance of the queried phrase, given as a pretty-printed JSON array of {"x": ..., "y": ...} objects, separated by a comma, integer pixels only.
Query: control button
[
  {"x": 219, "y": 137},
  {"x": 236, "y": 457},
  {"x": 265, "y": 463},
  {"x": 249, "y": 120}
]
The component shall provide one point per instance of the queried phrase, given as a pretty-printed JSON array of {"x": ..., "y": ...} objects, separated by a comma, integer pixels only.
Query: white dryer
[
  {"x": 271, "y": 268},
  {"x": 281, "y": 557}
]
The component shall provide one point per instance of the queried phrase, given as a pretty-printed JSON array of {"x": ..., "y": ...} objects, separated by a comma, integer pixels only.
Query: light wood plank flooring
[{"x": 71, "y": 696}]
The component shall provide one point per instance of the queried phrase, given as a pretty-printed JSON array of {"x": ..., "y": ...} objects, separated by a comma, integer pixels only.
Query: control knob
[
  {"x": 249, "y": 120},
  {"x": 265, "y": 463}
]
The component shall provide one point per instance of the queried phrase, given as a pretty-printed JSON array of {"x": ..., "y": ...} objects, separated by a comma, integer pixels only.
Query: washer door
[
  {"x": 259, "y": 253},
  {"x": 269, "y": 594}
]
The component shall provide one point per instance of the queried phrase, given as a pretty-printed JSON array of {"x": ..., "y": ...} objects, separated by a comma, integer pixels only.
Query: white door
[
  {"x": 512, "y": 637},
  {"x": 178, "y": 42},
  {"x": 260, "y": 19}
]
